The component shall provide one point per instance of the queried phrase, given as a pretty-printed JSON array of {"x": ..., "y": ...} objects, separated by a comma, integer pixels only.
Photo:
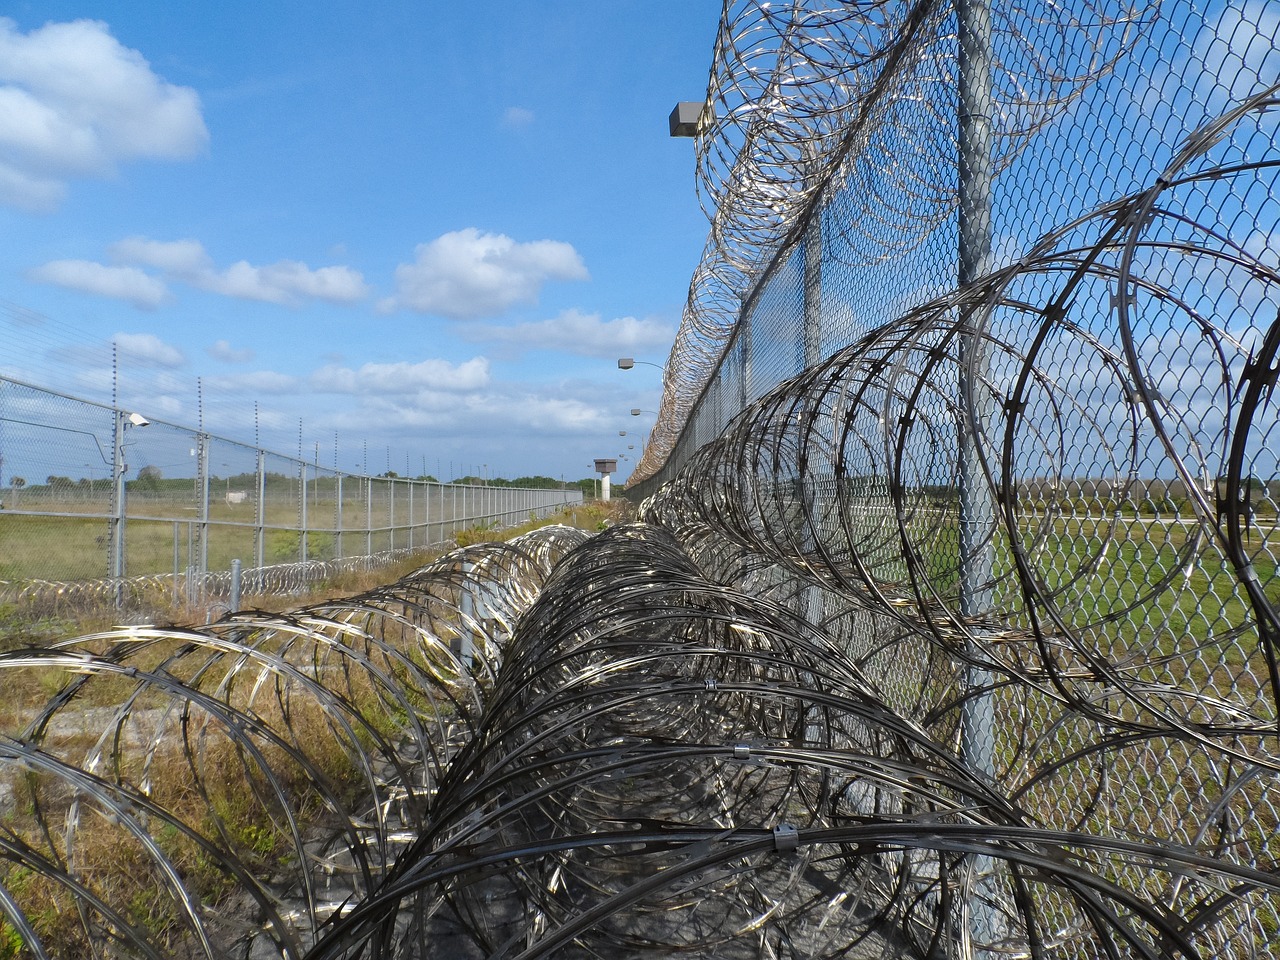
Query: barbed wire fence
[
  {"x": 1034, "y": 485},
  {"x": 98, "y": 504},
  {"x": 949, "y": 628}
]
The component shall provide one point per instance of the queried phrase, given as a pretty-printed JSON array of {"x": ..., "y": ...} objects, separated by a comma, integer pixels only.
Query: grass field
[{"x": 163, "y": 534}]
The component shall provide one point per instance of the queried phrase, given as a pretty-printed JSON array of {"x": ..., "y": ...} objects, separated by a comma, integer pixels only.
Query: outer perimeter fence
[
  {"x": 978, "y": 372},
  {"x": 829, "y": 160},
  {"x": 94, "y": 493}
]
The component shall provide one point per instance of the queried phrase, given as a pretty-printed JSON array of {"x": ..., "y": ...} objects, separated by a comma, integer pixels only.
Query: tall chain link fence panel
[{"x": 979, "y": 366}]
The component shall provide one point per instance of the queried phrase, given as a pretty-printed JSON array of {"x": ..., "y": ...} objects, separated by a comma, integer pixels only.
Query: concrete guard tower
[{"x": 604, "y": 468}]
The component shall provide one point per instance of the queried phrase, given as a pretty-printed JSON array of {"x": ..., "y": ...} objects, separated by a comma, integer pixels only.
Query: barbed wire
[
  {"x": 144, "y": 592},
  {"x": 669, "y": 764},
  {"x": 808, "y": 98},
  {"x": 189, "y": 791}
]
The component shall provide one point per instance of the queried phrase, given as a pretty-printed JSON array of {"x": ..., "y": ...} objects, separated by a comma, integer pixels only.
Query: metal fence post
[
  {"x": 260, "y": 516},
  {"x": 812, "y": 347},
  {"x": 177, "y": 535},
  {"x": 202, "y": 507},
  {"x": 337, "y": 517},
  {"x": 234, "y": 602},
  {"x": 977, "y": 513},
  {"x": 302, "y": 511},
  {"x": 115, "y": 561}
]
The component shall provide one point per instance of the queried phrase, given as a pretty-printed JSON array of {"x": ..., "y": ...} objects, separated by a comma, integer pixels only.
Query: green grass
[{"x": 75, "y": 547}]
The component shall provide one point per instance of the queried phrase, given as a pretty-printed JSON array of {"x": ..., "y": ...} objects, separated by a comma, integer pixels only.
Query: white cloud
[
  {"x": 182, "y": 258},
  {"x": 517, "y": 118},
  {"x": 1240, "y": 50},
  {"x": 502, "y": 412},
  {"x": 222, "y": 350},
  {"x": 120, "y": 283},
  {"x": 468, "y": 274},
  {"x": 146, "y": 349},
  {"x": 286, "y": 281},
  {"x": 404, "y": 377},
  {"x": 584, "y": 334},
  {"x": 74, "y": 102},
  {"x": 1235, "y": 53},
  {"x": 256, "y": 382}
]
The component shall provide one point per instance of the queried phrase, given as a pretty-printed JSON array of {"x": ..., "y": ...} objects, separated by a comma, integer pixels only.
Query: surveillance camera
[{"x": 138, "y": 420}]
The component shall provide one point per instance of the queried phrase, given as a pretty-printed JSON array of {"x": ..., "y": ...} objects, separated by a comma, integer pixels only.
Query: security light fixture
[{"x": 684, "y": 119}]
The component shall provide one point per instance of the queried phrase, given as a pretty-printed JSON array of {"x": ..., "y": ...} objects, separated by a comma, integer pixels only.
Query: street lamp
[
  {"x": 636, "y": 411},
  {"x": 626, "y": 363}
]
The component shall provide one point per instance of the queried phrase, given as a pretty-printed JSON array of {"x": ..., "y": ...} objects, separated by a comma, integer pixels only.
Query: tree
[{"x": 148, "y": 479}]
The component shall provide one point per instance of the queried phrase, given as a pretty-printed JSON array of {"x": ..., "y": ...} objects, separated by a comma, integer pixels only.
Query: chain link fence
[
  {"x": 89, "y": 493},
  {"x": 980, "y": 363}
]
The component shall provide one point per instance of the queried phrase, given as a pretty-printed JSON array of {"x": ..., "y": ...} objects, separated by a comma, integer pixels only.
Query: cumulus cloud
[
  {"x": 186, "y": 259},
  {"x": 582, "y": 333},
  {"x": 222, "y": 350},
  {"x": 403, "y": 377},
  {"x": 468, "y": 274},
  {"x": 1235, "y": 53},
  {"x": 120, "y": 283},
  {"x": 146, "y": 349},
  {"x": 255, "y": 383},
  {"x": 500, "y": 410},
  {"x": 517, "y": 118},
  {"x": 287, "y": 282},
  {"x": 76, "y": 103}
]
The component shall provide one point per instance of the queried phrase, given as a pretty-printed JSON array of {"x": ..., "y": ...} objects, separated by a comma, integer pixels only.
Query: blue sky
[{"x": 433, "y": 229}]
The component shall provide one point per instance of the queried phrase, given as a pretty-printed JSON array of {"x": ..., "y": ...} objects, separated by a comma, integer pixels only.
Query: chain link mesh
[
  {"x": 1037, "y": 488},
  {"x": 189, "y": 503}
]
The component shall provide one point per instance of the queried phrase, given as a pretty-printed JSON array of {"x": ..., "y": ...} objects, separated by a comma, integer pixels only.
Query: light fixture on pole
[
  {"x": 686, "y": 119},
  {"x": 626, "y": 363}
]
